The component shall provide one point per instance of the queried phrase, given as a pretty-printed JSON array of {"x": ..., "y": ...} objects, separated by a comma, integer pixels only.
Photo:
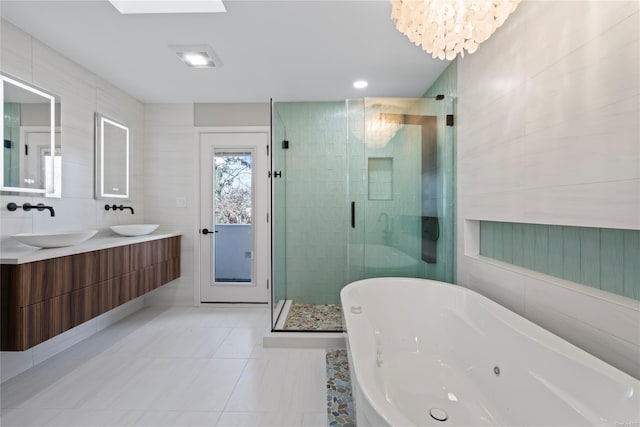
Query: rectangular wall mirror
[
  {"x": 31, "y": 155},
  {"x": 112, "y": 158}
]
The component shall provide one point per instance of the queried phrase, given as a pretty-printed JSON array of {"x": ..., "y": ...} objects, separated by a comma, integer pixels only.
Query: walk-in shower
[{"x": 360, "y": 189}]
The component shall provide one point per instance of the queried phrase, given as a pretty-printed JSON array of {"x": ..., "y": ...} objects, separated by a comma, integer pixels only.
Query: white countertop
[{"x": 19, "y": 254}]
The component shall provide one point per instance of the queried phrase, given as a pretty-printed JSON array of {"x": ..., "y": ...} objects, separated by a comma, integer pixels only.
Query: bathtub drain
[{"x": 438, "y": 414}]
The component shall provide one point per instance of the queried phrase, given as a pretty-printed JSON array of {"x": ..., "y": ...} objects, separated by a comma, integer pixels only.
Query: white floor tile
[
  {"x": 178, "y": 419},
  {"x": 176, "y": 366},
  {"x": 239, "y": 343},
  {"x": 27, "y": 417},
  {"x": 90, "y": 378},
  {"x": 275, "y": 419},
  {"x": 314, "y": 419},
  {"x": 89, "y": 417},
  {"x": 206, "y": 388},
  {"x": 183, "y": 341},
  {"x": 295, "y": 381}
]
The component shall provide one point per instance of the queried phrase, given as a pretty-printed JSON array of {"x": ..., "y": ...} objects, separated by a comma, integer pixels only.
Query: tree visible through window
[{"x": 233, "y": 188}]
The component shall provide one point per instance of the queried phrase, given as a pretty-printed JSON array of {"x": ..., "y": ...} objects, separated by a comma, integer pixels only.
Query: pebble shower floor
[
  {"x": 314, "y": 317},
  {"x": 340, "y": 410}
]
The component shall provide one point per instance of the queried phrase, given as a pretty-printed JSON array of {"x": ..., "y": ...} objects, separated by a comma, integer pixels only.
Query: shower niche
[{"x": 366, "y": 190}]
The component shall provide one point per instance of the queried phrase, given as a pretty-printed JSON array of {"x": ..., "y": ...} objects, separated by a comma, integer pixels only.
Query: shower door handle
[{"x": 353, "y": 214}]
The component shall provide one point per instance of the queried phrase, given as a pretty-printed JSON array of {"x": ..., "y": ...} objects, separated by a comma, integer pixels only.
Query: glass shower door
[
  {"x": 401, "y": 153},
  {"x": 310, "y": 215},
  {"x": 362, "y": 188}
]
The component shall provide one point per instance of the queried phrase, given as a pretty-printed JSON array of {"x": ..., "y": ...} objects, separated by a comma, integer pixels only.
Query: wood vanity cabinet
[{"x": 42, "y": 299}]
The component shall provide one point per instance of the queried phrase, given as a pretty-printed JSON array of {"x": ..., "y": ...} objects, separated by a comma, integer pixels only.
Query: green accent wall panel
[
  {"x": 518, "y": 244},
  {"x": 486, "y": 239},
  {"x": 612, "y": 261},
  {"x": 541, "y": 252},
  {"x": 555, "y": 250},
  {"x": 528, "y": 246},
  {"x": 590, "y": 257},
  {"x": 607, "y": 259},
  {"x": 632, "y": 265},
  {"x": 571, "y": 254},
  {"x": 507, "y": 242},
  {"x": 497, "y": 240}
]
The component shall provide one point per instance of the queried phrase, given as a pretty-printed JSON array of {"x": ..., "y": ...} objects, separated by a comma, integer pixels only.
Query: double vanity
[
  {"x": 55, "y": 281},
  {"x": 46, "y": 292}
]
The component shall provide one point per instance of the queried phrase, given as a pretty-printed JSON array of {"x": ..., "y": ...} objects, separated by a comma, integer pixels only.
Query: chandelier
[
  {"x": 378, "y": 125},
  {"x": 381, "y": 125},
  {"x": 446, "y": 28}
]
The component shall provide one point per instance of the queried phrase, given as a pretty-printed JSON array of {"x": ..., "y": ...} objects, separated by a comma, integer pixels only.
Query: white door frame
[{"x": 197, "y": 196}]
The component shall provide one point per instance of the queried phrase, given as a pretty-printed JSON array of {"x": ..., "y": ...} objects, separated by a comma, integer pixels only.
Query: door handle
[
  {"x": 353, "y": 214},
  {"x": 206, "y": 231}
]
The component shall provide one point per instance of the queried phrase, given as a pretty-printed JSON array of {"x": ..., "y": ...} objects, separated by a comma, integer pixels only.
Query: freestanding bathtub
[{"x": 423, "y": 352}]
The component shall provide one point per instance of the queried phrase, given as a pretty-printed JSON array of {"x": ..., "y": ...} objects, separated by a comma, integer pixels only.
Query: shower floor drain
[{"x": 438, "y": 414}]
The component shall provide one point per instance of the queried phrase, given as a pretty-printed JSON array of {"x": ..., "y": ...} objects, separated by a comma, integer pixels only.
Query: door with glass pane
[{"x": 233, "y": 233}]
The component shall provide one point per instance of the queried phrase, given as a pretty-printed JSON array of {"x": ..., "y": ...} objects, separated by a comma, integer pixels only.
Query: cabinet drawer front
[
  {"x": 42, "y": 321},
  {"x": 114, "y": 262},
  {"x": 40, "y": 280},
  {"x": 80, "y": 270}
]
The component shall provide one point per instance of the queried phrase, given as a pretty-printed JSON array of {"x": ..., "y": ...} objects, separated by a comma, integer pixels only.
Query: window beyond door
[{"x": 233, "y": 209}]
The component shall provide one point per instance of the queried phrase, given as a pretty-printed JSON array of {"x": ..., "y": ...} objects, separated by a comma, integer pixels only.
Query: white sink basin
[
  {"x": 134, "y": 229},
  {"x": 55, "y": 239}
]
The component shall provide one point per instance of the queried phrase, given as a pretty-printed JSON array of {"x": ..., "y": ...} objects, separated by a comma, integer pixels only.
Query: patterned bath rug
[
  {"x": 340, "y": 409},
  {"x": 314, "y": 317}
]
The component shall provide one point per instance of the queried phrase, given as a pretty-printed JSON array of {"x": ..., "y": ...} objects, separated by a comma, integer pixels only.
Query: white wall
[
  {"x": 82, "y": 93},
  {"x": 171, "y": 172},
  {"x": 548, "y": 133}
]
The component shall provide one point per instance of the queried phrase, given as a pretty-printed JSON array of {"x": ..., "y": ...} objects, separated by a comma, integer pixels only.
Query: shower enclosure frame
[{"x": 444, "y": 111}]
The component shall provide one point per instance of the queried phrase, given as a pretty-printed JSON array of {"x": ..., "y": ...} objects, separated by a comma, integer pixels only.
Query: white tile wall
[
  {"x": 170, "y": 172},
  {"x": 82, "y": 93},
  {"x": 549, "y": 132}
]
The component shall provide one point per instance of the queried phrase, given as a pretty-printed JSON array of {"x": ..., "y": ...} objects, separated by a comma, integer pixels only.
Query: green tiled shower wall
[
  {"x": 603, "y": 258},
  {"x": 316, "y": 252},
  {"x": 310, "y": 202}
]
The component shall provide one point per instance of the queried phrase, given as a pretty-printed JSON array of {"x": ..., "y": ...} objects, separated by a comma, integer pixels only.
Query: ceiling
[{"x": 296, "y": 50}]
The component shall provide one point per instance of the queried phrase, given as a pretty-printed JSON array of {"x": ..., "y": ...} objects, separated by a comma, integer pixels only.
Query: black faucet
[
  {"x": 115, "y": 207},
  {"x": 28, "y": 206}
]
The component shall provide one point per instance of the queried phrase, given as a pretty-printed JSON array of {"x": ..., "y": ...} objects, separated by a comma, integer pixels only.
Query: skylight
[{"x": 168, "y": 6}]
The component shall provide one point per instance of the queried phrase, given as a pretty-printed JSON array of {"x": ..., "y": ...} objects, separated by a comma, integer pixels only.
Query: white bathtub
[{"x": 416, "y": 345}]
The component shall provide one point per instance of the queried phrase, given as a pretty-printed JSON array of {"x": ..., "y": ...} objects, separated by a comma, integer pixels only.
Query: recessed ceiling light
[
  {"x": 168, "y": 6},
  {"x": 360, "y": 84},
  {"x": 197, "y": 56},
  {"x": 196, "y": 59}
]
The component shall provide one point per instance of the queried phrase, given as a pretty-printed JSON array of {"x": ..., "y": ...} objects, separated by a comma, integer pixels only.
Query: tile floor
[{"x": 173, "y": 367}]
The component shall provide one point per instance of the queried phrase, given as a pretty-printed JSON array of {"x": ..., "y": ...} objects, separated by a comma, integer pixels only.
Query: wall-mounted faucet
[
  {"x": 28, "y": 206},
  {"x": 115, "y": 207}
]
